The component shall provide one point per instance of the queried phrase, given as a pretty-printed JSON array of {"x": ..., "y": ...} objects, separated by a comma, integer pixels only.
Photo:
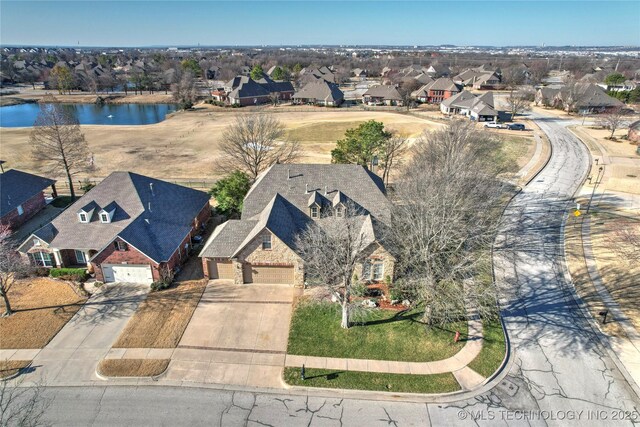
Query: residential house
[
  {"x": 478, "y": 108},
  {"x": 438, "y": 70},
  {"x": 436, "y": 91},
  {"x": 382, "y": 95},
  {"x": 323, "y": 73},
  {"x": 261, "y": 247},
  {"x": 546, "y": 96},
  {"x": 634, "y": 132},
  {"x": 22, "y": 196},
  {"x": 479, "y": 78},
  {"x": 360, "y": 73},
  {"x": 319, "y": 92},
  {"x": 586, "y": 98},
  {"x": 128, "y": 228},
  {"x": 243, "y": 90}
]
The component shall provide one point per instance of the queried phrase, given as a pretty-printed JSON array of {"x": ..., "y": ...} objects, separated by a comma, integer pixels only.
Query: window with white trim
[
  {"x": 104, "y": 217},
  {"x": 83, "y": 217},
  {"x": 314, "y": 211},
  {"x": 43, "y": 259},
  {"x": 378, "y": 271},
  {"x": 266, "y": 242},
  {"x": 339, "y": 211},
  {"x": 80, "y": 257},
  {"x": 20, "y": 210}
]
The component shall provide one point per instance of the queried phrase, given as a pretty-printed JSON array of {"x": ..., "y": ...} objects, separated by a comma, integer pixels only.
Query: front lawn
[
  {"x": 398, "y": 383},
  {"x": 42, "y": 306},
  {"x": 379, "y": 334},
  {"x": 493, "y": 349}
]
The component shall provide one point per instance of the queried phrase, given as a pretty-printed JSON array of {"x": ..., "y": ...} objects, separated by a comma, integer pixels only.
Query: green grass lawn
[
  {"x": 493, "y": 350},
  {"x": 379, "y": 334},
  {"x": 399, "y": 383}
]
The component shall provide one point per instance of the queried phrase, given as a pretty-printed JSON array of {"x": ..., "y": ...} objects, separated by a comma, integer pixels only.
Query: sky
[{"x": 210, "y": 23}]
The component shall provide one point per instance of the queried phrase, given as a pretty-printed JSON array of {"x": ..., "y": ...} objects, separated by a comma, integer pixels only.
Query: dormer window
[
  {"x": 83, "y": 217},
  {"x": 339, "y": 211},
  {"x": 104, "y": 217},
  {"x": 315, "y": 211}
]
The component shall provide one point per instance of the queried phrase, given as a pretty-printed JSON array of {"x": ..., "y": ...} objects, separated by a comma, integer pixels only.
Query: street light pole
[{"x": 600, "y": 169}]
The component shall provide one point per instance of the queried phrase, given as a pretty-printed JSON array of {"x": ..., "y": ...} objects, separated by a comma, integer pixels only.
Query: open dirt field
[{"x": 185, "y": 145}]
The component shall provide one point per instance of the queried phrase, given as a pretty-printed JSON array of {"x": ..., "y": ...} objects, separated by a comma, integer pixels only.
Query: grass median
[
  {"x": 493, "y": 350},
  {"x": 398, "y": 383},
  {"x": 132, "y": 367}
]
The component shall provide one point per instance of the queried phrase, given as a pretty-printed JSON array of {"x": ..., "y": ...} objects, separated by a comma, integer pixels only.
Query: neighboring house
[
  {"x": 261, "y": 246},
  {"x": 622, "y": 87},
  {"x": 128, "y": 228},
  {"x": 319, "y": 92},
  {"x": 437, "y": 91},
  {"x": 634, "y": 131},
  {"x": 22, "y": 196},
  {"x": 478, "y": 108},
  {"x": 438, "y": 70},
  {"x": 360, "y": 73},
  {"x": 587, "y": 98},
  {"x": 243, "y": 90},
  {"x": 382, "y": 95},
  {"x": 323, "y": 73},
  {"x": 546, "y": 96},
  {"x": 479, "y": 78}
]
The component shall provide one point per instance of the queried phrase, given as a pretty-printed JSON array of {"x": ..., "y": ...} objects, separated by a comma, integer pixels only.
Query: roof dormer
[
  {"x": 315, "y": 205},
  {"x": 86, "y": 212}
]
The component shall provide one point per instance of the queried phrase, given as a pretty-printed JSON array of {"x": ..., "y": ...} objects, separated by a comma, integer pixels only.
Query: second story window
[
  {"x": 339, "y": 211},
  {"x": 104, "y": 217},
  {"x": 120, "y": 246},
  {"x": 314, "y": 211},
  {"x": 83, "y": 217},
  {"x": 266, "y": 242}
]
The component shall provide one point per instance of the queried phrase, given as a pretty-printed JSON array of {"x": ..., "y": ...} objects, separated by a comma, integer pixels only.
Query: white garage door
[{"x": 127, "y": 273}]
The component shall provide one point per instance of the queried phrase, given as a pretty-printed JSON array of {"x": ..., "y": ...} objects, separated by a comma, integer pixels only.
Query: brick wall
[
  {"x": 131, "y": 256},
  {"x": 376, "y": 252},
  {"x": 30, "y": 207}
]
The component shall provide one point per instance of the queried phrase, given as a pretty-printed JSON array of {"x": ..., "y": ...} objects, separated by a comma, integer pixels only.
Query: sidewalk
[{"x": 627, "y": 349}]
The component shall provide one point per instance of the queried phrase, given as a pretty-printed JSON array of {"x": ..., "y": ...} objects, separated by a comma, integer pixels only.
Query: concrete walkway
[
  {"x": 455, "y": 364},
  {"x": 627, "y": 349}
]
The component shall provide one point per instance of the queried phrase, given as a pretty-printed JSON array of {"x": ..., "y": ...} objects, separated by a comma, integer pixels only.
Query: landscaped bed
[
  {"x": 378, "y": 334},
  {"x": 132, "y": 367},
  {"x": 9, "y": 368},
  {"x": 493, "y": 349},
  {"x": 399, "y": 383},
  {"x": 162, "y": 318},
  {"x": 41, "y": 307}
]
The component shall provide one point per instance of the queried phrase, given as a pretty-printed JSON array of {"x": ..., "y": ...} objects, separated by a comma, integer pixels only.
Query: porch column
[{"x": 57, "y": 258}]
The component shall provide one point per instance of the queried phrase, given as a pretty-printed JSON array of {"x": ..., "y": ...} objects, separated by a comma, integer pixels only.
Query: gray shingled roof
[
  {"x": 320, "y": 89},
  {"x": 16, "y": 187},
  {"x": 279, "y": 201},
  {"x": 152, "y": 215},
  {"x": 384, "y": 91},
  {"x": 248, "y": 88}
]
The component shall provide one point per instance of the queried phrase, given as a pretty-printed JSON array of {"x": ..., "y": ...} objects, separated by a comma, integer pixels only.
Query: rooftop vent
[
  {"x": 151, "y": 188},
  {"x": 306, "y": 189}
]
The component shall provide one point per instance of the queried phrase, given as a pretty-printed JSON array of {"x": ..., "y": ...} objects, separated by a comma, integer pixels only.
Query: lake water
[{"x": 24, "y": 115}]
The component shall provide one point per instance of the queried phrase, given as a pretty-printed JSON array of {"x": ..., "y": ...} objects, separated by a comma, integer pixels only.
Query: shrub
[
  {"x": 358, "y": 289},
  {"x": 159, "y": 285},
  {"x": 75, "y": 274},
  {"x": 41, "y": 271}
]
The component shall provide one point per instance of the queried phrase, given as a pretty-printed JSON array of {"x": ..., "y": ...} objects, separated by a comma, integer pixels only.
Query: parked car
[
  {"x": 516, "y": 126},
  {"x": 495, "y": 125}
]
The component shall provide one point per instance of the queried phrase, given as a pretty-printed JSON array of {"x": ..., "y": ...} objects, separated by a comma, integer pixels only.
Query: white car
[{"x": 495, "y": 125}]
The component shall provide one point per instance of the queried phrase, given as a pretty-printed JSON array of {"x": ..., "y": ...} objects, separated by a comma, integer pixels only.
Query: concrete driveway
[
  {"x": 73, "y": 354},
  {"x": 237, "y": 335}
]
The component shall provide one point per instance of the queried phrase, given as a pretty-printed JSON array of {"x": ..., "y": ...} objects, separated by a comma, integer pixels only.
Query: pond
[{"x": 24, "y": 115}]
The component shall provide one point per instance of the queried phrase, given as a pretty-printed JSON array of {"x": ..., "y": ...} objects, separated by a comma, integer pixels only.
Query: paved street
[{"x": 559, "y": 373}]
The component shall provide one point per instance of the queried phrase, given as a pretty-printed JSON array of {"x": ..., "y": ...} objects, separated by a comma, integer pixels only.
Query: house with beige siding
[{"x": 261, "y": 246}]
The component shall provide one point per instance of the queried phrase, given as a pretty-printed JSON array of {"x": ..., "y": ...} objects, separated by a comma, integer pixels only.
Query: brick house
[
  {"x": 126, "y": 229},
  {"x": 319, "y": 92},
  {"x": 382, "y": 95},
  {"x": 244, "y": 91},
  {"x": 437, "y": 91},
  {"x": 260, "y": 247},
  {"x": 22, "y": 196}
]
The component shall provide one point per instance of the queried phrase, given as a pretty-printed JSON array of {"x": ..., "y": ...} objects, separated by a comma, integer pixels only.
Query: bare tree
[
  {"x": 518, "y": 101},
  {"x": 57, "y": 141},
  {"x": 572, "y": 93},
  {"x": 12, "y": 266},
  {"x": 625, "y": 242},
  {"x": 392, "y": 153},
  {"x": 445, "y": 219},
  {"x": 332, "y": 248},
  {"x": 613, "y": 120},
  {"x": 185, "y": 92},
  {"x": 22, "y": 404},
  {"x": 254, "y": 142}
]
